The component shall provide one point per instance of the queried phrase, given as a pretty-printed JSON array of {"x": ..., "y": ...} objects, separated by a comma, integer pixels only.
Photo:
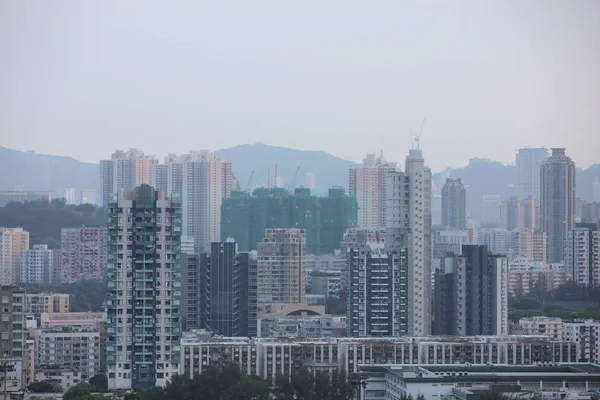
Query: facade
[
  {"x": 207, "y": 180},
  {"x": 512, "y": 214},
  {"x": 460, "y": 382},
  {"x": 325, "y": 219},
  {"x": 21, "y": 196},
  {"x": 83, "y": 254},
  {"x": 144, "y": 289},
  {"x": 497, "y": 240},
  {"x": 582, "y": 254},
  {"x": 66, "y": 378},
  {"x": 528, "y": 244},
  {"x": 448, "y": 241},
  {"x": 302, "y": 326},
  {"x": 367, "y": 185},
  {"x": 491, "y": 215},
  {"x": 377, "y": 297},
  {"x": 586, "y": 333},
  {"x": 551, "y": 327},
  {"x": 407, "y": 215},
  {"x": 38, "y": 303},
  {"x": 557, "y": 202},
  {"x": 454, "y": 205},
  {"x": 190, "y": 293},
  {"x": 76, "y": 349},
  {"x": 12, "y": 313},
  {"x": 123, "y": 172},
  {"x": 12, "y": 242},
  {"x": 529, "y": 161},
  {"x": 228, "y": 290},
  {"x": 282, "y": 266},
  {"x": 92, "y": 320},
  {"x": 88, "y": 196},
  {"x": 267, "y": 357},
  {"x": 37, "y": 265},
  {"x": 471, "y": 296},
  {"x": 531, "y": 213},
  {"x": 106, "y": 181},
  {"x": 529, "y": 277}
]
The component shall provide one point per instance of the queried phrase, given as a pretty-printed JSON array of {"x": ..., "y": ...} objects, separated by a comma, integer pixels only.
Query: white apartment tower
[
  {"x": 124, "y": 171},
  {"x": 407, "y": 216},
  {"x": 144, "y": 289},
  {"x": 281, "y": 269},
  {"x": 582, "y": 254},
  {"x": 207, "y": 180},
  {"x": 367, "y": 184},
  {"x": 12, "y": 242},
  {"x": 37, "y": 265}
]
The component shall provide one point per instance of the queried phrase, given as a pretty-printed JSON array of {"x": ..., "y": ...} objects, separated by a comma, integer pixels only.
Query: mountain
[
  {"x": 28, "y": 170},
  {"x": 328, "y": 170}
]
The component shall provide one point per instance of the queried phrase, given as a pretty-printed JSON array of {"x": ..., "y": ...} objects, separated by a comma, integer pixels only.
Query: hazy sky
[{"x": 82, "y": 78}]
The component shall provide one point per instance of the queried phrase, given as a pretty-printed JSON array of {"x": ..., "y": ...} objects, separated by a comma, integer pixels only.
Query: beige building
[
  {"x": 525, "y": 277},
  {"x": 38, "y": 303},
  {"x": 282, "y": 266},
  {"x": 12, "y": 242},
  {"x": 551, "y": 327},
  {"x": 529, "y": 244}
]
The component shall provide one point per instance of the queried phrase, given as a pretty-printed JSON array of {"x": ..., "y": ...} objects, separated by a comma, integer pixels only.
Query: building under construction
[{"x": 325, "y": 219}]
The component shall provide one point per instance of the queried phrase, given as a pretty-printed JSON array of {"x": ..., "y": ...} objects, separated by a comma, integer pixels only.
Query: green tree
[
  {"x": 46, "y": 386},
  {"x": 99, "y": 381}
]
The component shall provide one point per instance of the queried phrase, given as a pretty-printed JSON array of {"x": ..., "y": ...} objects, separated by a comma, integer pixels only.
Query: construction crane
[
  {"x": 249, "y": 182},
  {"x": 294, "y": 181},
  {"x": 417, "y": 137}
]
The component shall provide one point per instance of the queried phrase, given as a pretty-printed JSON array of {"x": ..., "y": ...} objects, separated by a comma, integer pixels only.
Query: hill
[
  {"x": 32, "y": 171},
  {"x": 328, "y": 170}
]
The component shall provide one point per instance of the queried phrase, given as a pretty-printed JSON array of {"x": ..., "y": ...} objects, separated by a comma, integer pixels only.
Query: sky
[{"x": 83, "y": 78}]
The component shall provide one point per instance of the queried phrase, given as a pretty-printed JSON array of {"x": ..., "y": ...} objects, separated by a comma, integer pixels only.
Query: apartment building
[
  {"x": 12, "y": 242},
  {"x": 83, "y": 254},
  {"x": 38, "y": 303},
  {"x": 527, "y": 277},
  {"x": 37, "y": 265},
  {"x": 540, "y": 325},
  {"x": 586, "y": 333},
  {"x": 582, "y": 253}
]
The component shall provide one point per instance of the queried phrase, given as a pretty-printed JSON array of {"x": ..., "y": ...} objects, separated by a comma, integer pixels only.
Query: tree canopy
[
  {"x": 84, "y": 295},
  {"x": 46, "y": 386}
]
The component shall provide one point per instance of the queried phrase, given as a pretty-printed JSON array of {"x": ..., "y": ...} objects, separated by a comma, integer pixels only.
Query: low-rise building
[
  {"x": 586, "y": 333},
  {"x": 38, "y": 303},
  {"x": 551, "y": 327},
  {"x": 66, "y": 378},
  {"x": 298, "y": 326},
  {"x": 526, "y": 277},
  {"x": 463, "y": 382}
]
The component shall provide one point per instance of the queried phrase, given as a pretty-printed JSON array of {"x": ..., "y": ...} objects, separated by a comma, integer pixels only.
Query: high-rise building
[
  {"x": 367, "y": 184},
  {"x": 37, "y": 265},
  {"x": 528, "y": 244},
  {"x": 377, "y": 299},
  {"x": 325, "y": 219},
  {"x": 12, "y": 314},
  {"x": 68, "y": 194},
  {"x": 448, "y": 241},
  {"x": 88, "y": 196},
  {"x": 531, "y": 277},
  {"x": 174, "y": 165},
  {"x": 586, "y": 334},
  {"x": 491, "y": 216},
  {"x": 471, "y": 296},
  {"x": 531, "y": 213},
  {"x": 512, "y": 214},
  {"x": 83, "y": 254},
  {"x": 106, "y": 181},
  {"x": 557, "y": 202},
  {"x": 190, "y": 291},
  {"x": 281, "y": 266},
  {"x": 454, "y": 205},
  {"x": 407, "y": 216},
  {"x": 582, "y": 254},
  {"x": 207, "y": 181},
  {"x": 12, "y": 242},
  {"x": 497, "y": 240},
  {"x": 159, "y": 177},
  {"x": 144, "y": 289},
  {"x": 529, "y": 162},
  {"x": 228, "y": 288}
]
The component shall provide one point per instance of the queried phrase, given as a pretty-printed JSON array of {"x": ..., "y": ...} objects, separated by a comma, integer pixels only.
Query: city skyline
[{"x": 286, "y": 75}]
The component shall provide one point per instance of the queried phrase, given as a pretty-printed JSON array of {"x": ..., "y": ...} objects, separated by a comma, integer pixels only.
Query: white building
[
  {"x": 586, "y": 333},
  {"x": 582, "y": 254},
  {"x": 144, "y": 289},
  {"x": 37, "y": 265},
  {"x": 12, "y": 242},
  {"x": 66, "y": 378},
  {"x": 496, "y": 239},
  {"x": 551, "y": 327},
  {"x": 124, "y": 171},
  {"x": 76, "y": 349},
  {"x": 529, "y": 244},
  {"x": 526, "y": 277}
]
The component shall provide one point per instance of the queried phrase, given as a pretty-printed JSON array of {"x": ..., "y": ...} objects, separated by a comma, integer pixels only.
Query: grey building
[
  {"x": 377, "y": 299},
  {"x": 529, "y": 162},
  {"x": 106, "y": 181},
  {"x": 454, "y": 205},
  {"x": 557, "y": 202},
  {"x": 190, "y": 300},
  {"x": 227, "y": 291},
  {"x": 471, "y": 294}
]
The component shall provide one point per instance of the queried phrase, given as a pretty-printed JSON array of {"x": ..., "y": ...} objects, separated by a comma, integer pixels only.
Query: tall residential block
[
  {"x": 454, "y": 205},
  {"x": 83, "y": 254},
  {"x": 12, "y": 242},
  {"x": 530, "y": 209},
  {"x": 407, "y": 212},
  {"x": 190, "y": 291},
  {"x": 282, "y": 266},
  {"x": 325, "y": 219},
  {"x": 528, "y": 162},
  {"x": 491, "y": 212},
  {"x": 124, "y": 171},
  {"x": 582, "y": 254},
  {"x": 512, "y": 214},
  {"x": 106, "y": 181},
  {"x": 207, "y": 180},
  {"x": 557, "y": 201},
  {"x": 377, "y": 298},
  {"x": 37, "y": 265},
  {"x": 12, "y": 314},
  {"x": 471, "y": 294},
  {"x": 228, "y": 290},
  {"x": 585, "y": 333},
  {"x": 528, "y": 244},
  {"x": 367, "y": 184},
  {"x": 144, "y": 289}
]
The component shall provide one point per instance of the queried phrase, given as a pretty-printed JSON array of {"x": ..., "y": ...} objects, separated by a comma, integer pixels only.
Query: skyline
[{"x": 84, "y": 80}]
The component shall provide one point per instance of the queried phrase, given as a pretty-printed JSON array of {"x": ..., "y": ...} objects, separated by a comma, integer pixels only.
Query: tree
[
  {"x": 99, "y": 381},
  {"x": 46, "y": 386}
]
